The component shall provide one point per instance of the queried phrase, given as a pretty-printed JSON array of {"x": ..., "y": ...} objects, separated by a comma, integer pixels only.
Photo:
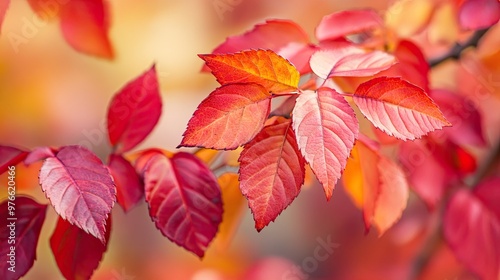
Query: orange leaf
[
  {"x": 229, "y": 117},
  {"x": 376, "y": 184},
  {"x": 398, "y": 108},
  {"x": 263, "y": 67},
  {"x": 85, "y": 27},
  {"x": 271, "y": 171}
]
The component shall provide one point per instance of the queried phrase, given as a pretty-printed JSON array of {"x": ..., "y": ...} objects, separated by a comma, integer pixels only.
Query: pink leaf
[
  {"x": 85, "y": 26},
  {"x": 80, "y": 188},
  {"x": 472, "y": 228},
  {"x": 10, "y": 156},
  {"x": 326, "y": 128},
  {"x": 345, "y": 23},
  {"x": 23, "y": 223},
  {"x": 134, "y": 111},
  {"x": 77, "y": 253},
  {"x": 275, "y": 35},
  {"x": 349, "y": 61},
  {"x": 229, "y": 117},
  {"x": 129, "y": 188},
  {"x": 463, "y": 114},
  {"x": 398, "y": 108},
  {"x": 184, "y": 200},
  {"x": 271, "y": 171},
  {"x": 39, "y": 154},
  {"x": 478, "y": 14}
]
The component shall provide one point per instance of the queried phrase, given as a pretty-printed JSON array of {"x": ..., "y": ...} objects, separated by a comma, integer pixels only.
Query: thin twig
[{"x": 457, "y": 50}]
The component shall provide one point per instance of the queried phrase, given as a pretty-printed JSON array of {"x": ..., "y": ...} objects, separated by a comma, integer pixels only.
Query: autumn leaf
[
  {"x": 398, "y": 108},
  {"x": 184, "y": 200},
  {"x": 234, "y": 206},
  {"x": 472, "y": 228},
  {"x": 10, "y": 156},
  {"x": 345, "y": 23},
  {"x": 39, "y": 154},
  {"x": 85, "y": 26},
  {"x": 229, "y": 117},
  {"x": 4, "y": 5},
  {"x": 463, "y": 114},
  {"x": 262, "y": 67},
  {"x": 129, "y": 188},
  {"x": 271, "y": 171},
  {"x": 349, "y": 61},
  {"x": 326, "y": 127},
  {"x": 21, "y": 231},
  {"x": 376, "y": 184},
  {"x": 80, "y": 188},
  {"x": 478, "y": 14},
  {"x": 77, "y": 253},
  {"x": 134, "y": 111}
]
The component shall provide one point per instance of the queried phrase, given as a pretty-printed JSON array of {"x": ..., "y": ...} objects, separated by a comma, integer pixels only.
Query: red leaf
[
  {"x": 345, "y": 23},
  {"x": 129, "y": 188},
  {"x": 134, "y": 111},
  {"x": 184, "y": 200},
  {"x": 284, "y": 37},
  {"x": 39, "y": 154},
  {"x": 263, "y": 67},
  {"x": 326, "y": 128},
  {"x": 463, "y": 114},
  {"x": 376, "y": 184},
  {"x": 472, "y": 228},
  {"x": 433, "y": 167},
  {"x": 349, "y": 61},
  {"x": 478, "y": 14},
  {"x": 412, "y": 65},
  {"x": 229, "y": 117},
  {"x": 10, "y": 156},
  {"x": 398, "y": 108},
  {"x": 21, "y": 231},
  {"x": 85, "y": 26},
  {"x": 77, "y": 253},
  {"x": 80, "y": 188},
  {"x": 271, "y": 171},
  {"x": 4, "y": 5}
]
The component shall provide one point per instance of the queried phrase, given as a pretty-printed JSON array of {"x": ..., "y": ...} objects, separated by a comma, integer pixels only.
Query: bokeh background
[{"x": 52, "y": 95}]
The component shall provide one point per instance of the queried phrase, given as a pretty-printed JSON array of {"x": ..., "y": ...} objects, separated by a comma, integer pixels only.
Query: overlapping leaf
[
  {"x": 345, "y": 23},
  {"x": 271, "y": 171},
  {"x": 77, "y": 253},
  {"x": 39, "y": 154},
  {"x": 273, "y": 35},
  {"x": 467, "y": 125},
  {"x": 184, "y": 200},
  {"x": 80, "y": 188},
  {"x": 229, "y": 117},
  {"x": 398, "y": 108},
  {"x": 26, "y": 219},
  {"x": 472, "y": 228},
  {"x": 10, "y": 156},
  {"x": 263, "y": 67},
  {"x": 326, "y": 127},
  {"x": 349, "y": 61},
  {"x": 134, "y": 111},
  {"x": 376, "y": 184},
  {"x": 129, "y": 188}
]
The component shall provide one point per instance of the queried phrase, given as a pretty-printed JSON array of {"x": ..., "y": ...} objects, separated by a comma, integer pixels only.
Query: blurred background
[{"x": 52, "y": 95}]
